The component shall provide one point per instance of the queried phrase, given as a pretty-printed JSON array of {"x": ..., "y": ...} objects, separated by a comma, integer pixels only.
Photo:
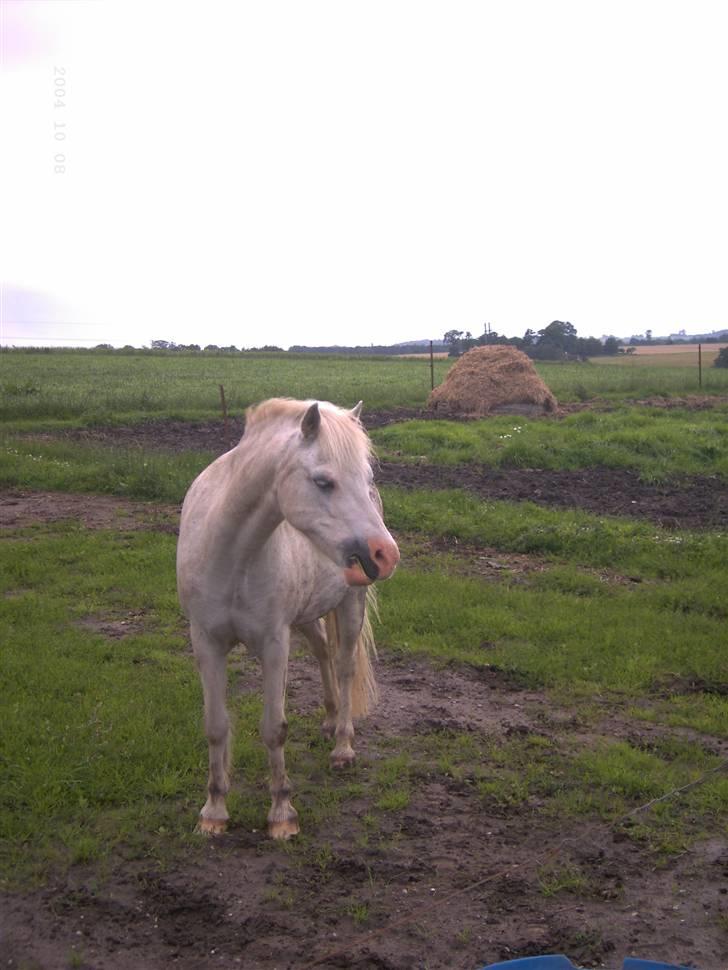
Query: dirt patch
[
  {"x": 448, "y": 882},
  {"x": 19, "y": 508},
  {"x": 214, "y": 436},
  {"x": 695, "y": 502},
  {"x": 113, "y": 627}
]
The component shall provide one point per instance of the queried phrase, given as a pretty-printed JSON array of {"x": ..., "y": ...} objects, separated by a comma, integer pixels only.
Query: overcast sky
[{"x": 355, "y": 173}]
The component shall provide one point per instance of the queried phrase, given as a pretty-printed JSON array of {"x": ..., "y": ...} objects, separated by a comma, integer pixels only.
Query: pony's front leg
[
  {"x": 350, "y": 660},
  {"x": 211, "y": 657},
  {"x": 282, "y": 817}
]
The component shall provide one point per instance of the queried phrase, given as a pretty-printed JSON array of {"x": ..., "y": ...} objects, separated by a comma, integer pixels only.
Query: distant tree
[
  {"x": 103, "y": 347},
  {"x": 212, "y": 347},
  {"x": 648, "y": 336},
  {"x": 722, "y": 359},
  {"x": 453, "y": 338},
  {"x": 611, "y": 346},
  {"x": 546, "y": 350},
  {"x": 561, "y": 335},
  {"x": 161, "y": 345}
]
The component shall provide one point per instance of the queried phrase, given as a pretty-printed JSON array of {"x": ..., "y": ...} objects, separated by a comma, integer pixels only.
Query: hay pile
[{"x": 492, "y": 380}]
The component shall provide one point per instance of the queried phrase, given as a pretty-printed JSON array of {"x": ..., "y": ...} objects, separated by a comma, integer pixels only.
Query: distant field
[
  {"x": 442, "y": 355},
  {"x": 97, "y": 388},
  {"x": 104, "y": 386},
  {"x": 665, "y": 355}
]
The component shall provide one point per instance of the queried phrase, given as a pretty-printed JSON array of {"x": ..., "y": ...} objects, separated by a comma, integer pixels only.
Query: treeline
[
  {"x": 168, "y": 349},
  {"x": 377, "y": 350},
  {"x": 558, "y": 341}
]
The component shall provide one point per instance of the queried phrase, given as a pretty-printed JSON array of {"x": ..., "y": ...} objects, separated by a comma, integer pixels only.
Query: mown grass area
[
  {"x": 665, "y": 355},
  {"x": 658, "y": 443},
  {"x": 99, "y": 388}
]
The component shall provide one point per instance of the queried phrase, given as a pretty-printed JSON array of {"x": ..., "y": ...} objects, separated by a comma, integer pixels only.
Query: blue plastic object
[
  {"x": 632, "y": 963},
  {"x": 555, "y": 962},
  {"x": 559, "y": 962}
]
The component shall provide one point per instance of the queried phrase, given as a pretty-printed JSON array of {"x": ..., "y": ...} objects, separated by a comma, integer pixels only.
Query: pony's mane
[{"x": 342, "y": 437}]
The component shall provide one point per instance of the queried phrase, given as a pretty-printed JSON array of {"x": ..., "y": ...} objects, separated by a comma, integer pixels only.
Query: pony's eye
[{"x": 325, "y": 484}]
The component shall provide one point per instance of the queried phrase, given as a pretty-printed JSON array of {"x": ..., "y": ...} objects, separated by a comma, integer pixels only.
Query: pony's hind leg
[
  {"x": 282, "y": 817},
  {"x": 346, "y": 628},
  {"x": 315, "y": 634},
  {"x": 211, "y": 657}
]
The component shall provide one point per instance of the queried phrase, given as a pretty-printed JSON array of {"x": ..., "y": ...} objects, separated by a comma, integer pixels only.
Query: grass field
[
  {"x": 102, "y": 745},
  {"x": 658, "y": 443},
  {"x": 103, "y": 387},
  {"x": 90, "y": 388},
  {"x": 102, "y": 750}
]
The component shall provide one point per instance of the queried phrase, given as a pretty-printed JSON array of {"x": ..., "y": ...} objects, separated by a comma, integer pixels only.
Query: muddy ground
[
  {"x": 449, "y": 882},
  {"x": 694, "y": 502}
]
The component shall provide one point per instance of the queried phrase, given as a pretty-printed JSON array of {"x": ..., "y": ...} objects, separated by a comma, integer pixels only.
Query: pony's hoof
[
  {"x": 342, "y": 759},
  {"x": 283, "y": 830},
  {"x": 211, "y": 826}
]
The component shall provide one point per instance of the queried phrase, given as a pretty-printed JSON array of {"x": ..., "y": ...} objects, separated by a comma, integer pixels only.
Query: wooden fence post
[
  {"x": 224, "y": 416},
  {"x": 700, "y": 365}
]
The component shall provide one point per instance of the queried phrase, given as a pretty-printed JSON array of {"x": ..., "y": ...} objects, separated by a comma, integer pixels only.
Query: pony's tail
[{"x": 364, "y": 690}]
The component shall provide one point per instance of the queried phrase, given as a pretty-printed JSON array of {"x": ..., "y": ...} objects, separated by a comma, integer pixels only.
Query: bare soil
[
  {"x": 450, "y": 881},
  {"x": 694, "y": 502}
]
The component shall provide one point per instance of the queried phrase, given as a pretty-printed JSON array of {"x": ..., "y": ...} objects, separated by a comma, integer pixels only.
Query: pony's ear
[
  {"x": 311, "y": 422},
  {"x": 356, "y": 411}
]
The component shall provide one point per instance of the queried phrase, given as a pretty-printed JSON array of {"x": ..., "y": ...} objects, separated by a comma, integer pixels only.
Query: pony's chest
[
  {"x": 291, "y": 584},
  {"x": 320, "y": 600},
  {"x": 314, "y": 588}
]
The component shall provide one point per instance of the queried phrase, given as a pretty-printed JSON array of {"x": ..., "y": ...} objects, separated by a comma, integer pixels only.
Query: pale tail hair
[{"x": 364, "y": 691}]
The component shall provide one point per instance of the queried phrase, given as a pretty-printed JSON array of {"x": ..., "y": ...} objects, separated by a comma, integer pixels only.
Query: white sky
[{"x": 336, "y": 172}]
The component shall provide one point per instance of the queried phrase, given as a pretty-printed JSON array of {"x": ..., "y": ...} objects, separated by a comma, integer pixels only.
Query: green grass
[
  {"x": 632, "y": 547},
  {"x": 655, "y": 442},
  {"x": 104, "y": 387},
  {"x": 568, "y": 779},
  {"x": 102, "y": 751},
  {"x": 619, "y": 639},
  {"x": 74, "y": 467},
  {"x": 97, "y": 388},
  {"x": 100, "y": 740},
  {"x": 658, "y": 444},
  {"x": 607, "y": 379}
]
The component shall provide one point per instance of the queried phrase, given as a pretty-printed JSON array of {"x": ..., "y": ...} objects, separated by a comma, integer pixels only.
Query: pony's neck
[{"x": 252, "y": 510}]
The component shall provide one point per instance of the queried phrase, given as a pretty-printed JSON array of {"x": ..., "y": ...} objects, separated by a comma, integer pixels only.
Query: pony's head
[{"x": 325, "y": 487}]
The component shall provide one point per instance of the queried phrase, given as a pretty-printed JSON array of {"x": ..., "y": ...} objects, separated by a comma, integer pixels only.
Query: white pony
[{"x": 284, "y": 529}]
